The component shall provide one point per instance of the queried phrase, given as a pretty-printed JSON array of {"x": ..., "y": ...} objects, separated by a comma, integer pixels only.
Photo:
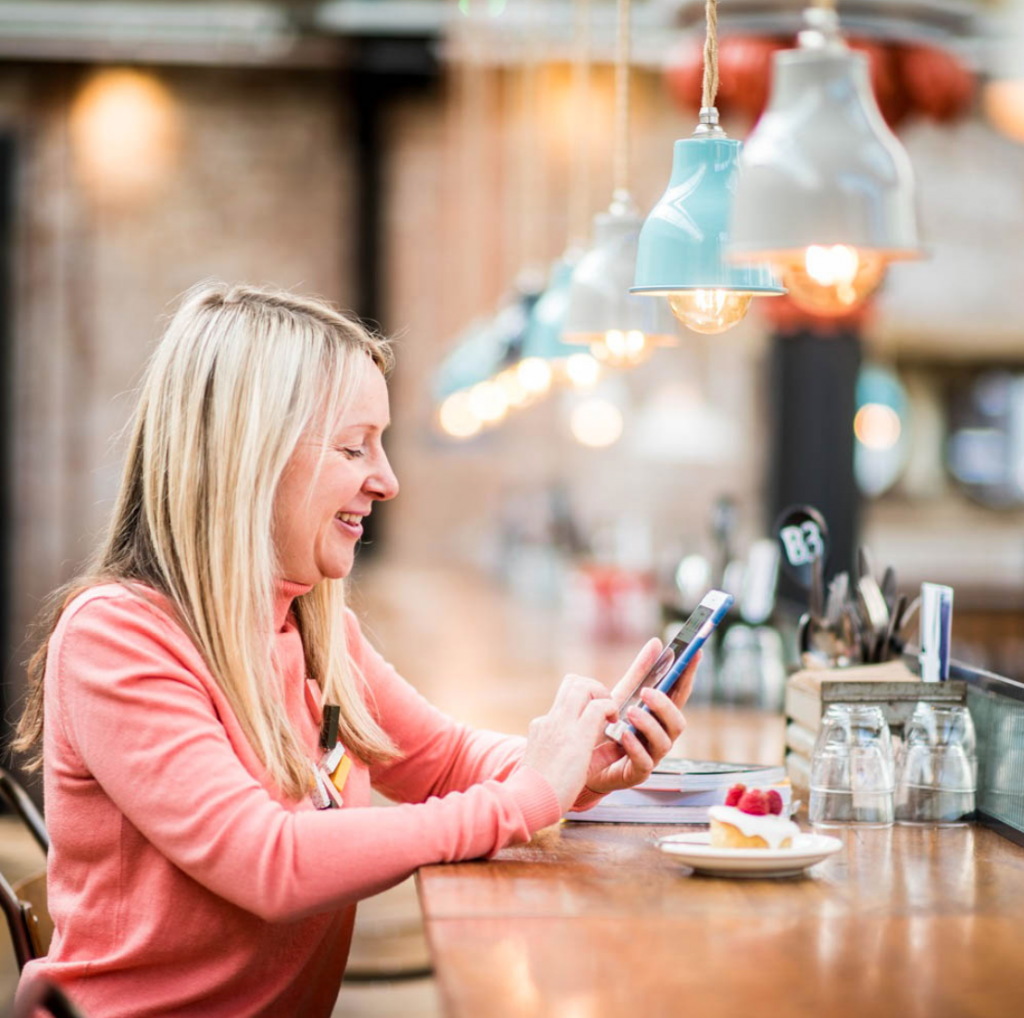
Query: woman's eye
[{"x": 353, "y": 454}]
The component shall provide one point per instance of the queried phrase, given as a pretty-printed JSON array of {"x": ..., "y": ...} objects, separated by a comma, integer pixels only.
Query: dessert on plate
[{"x": 751, "y": 818}]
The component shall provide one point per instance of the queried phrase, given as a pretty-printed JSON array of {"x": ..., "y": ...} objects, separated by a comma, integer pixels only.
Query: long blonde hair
[{"x": 241, "y": 374}]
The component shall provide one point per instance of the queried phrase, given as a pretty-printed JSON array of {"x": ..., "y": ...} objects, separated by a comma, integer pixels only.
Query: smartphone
[{"x": 672, "y": 662}]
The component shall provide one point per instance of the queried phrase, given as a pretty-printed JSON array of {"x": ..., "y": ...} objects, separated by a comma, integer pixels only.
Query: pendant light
[
  {"x": 544, "y": 349},
  {"x": 826, "y": 191},
  {"x": 681, "y": 253},
  {"x": 482, "y": 379},
  {"x": 620, "y": 328}
]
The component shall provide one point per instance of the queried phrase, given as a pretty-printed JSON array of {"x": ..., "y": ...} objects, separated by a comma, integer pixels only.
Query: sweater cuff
[
  {"x": 535, "y": 797},
  {"x": 586, "y": 800}
]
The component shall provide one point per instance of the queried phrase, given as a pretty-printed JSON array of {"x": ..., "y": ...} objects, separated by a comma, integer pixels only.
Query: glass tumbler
[
  {"x": 852, "y": 768},
  {"x": 937, "y": 772}
]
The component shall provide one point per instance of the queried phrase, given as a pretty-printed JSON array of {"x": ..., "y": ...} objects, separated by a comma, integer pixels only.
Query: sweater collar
[{"x": 285, "y": 593}]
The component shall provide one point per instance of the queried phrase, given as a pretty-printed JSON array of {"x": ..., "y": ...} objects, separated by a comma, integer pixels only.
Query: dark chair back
[
  {"x": 18, "y": 799},
  {"x": 22, "y": 923},
  {"x": 45, "y": 995}
]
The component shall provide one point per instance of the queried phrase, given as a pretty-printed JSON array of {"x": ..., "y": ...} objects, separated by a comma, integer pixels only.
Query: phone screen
[{"x": 669, "y": 656}]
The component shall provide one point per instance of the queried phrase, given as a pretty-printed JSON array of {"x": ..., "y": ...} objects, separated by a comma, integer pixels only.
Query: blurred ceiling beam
[
  {"x": 313, "y": 33},
  {"x": 212, "y": 33}
]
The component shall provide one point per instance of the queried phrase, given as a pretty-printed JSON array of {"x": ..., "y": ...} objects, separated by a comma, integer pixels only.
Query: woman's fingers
[
  {"x": 641, "y": 760},
  {"x": 667, "y": 713},
  {"x": 575, "y": 692},
  {"x": 638, "y": 669},
  {"x": 659, "y": 741}
]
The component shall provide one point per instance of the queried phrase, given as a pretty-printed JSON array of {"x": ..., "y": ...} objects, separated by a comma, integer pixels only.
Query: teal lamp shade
[
  {"x": 683, "y": 242},
  {"x": 543, "y": 337}
]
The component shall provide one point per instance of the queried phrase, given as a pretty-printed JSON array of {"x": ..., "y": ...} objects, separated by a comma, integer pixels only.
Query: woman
[{"x": 184, "y": 678}]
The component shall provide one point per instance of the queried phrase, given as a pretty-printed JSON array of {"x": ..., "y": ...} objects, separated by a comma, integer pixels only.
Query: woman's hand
[
  {"x": 560, "y": 744},
  {"x": 613, "y": 766}
]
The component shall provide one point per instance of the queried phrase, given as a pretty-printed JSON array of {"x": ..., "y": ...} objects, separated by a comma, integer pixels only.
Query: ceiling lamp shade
[
  {"x": 544, "y": 349},
  {"x": 826, "y": 191},
  {"x": 682, "y": 246},
  {"x": 620, "y": 328},
  {"x": 478, "y": 382}
]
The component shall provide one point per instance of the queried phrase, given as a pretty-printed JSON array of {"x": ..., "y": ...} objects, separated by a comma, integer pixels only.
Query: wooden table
[{"x": 591, "y": 920}]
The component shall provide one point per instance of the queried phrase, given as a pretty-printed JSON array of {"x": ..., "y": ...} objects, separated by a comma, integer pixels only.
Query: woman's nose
[{"x": 382, "y": 482}]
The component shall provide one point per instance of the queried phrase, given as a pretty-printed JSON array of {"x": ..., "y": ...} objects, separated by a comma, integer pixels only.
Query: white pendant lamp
[
  {"x": 620, "y": 328},
  {"x": 826, "y": 191}
]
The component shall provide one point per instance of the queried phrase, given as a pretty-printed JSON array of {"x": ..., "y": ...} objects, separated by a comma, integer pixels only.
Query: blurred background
[
  {"x": 426, "y": 163},
  {"x": 434, "y": 165}
]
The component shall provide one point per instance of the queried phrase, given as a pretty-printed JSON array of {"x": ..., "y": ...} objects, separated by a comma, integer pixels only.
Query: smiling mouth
[{"x": 350, "y": 523}]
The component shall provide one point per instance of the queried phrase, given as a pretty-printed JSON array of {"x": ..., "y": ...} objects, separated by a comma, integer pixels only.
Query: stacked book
[{"x": 682, "y": 792}]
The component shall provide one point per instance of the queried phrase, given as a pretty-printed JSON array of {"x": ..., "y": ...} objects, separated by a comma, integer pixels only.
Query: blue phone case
[{"x": 666, "y": 671}]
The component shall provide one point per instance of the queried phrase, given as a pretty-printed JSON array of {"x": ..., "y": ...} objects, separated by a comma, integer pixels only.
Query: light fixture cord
[
  {"x": 710, "y": 89},
  {"x": 580, "y": 195},
  {"x": 532, "y": 182},
  {"x": 620, "y": 178}
]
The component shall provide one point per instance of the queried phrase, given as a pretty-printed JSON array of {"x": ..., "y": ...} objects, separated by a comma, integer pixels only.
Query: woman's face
[{"x": 318, "y": 514}]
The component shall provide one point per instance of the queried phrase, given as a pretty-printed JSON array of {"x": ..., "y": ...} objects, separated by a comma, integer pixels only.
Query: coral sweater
[{"x": 180, "y": 881}]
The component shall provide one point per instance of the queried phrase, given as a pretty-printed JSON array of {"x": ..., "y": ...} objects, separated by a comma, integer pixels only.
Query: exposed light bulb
[
  {"x": 832, "y": 280},
  {"x": 582, "y": 370},
  {"x": 709, "y": 311},
  {"x": 596, "y": 423},
  {"x": 457, "y": 418},
  {"x": 622, "y": 348},
  {"x": 488, "y": 402},
  {"x": 534, "y": 375}
]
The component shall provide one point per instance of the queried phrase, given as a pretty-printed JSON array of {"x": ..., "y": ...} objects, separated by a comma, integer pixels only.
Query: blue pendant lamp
[
  {"x": 682, "y": 246},
  {"x": 547, "y": 358},
  {"x": 620, "y": 329}
]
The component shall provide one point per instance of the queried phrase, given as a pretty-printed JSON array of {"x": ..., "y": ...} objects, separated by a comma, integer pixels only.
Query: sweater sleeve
[
  {"x": 436, "y": 755},
  {"x": 146, "y": 728}
]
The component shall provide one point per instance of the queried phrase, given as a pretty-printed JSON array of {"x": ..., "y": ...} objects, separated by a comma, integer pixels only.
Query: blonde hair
[{"x": 241, "y": 374}]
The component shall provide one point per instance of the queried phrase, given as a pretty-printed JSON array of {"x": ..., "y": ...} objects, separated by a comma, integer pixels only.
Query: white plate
[{"x": 695, "y": 850}]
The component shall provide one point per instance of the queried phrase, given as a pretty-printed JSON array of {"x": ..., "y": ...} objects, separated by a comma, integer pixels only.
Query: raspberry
[
  {"x": 774, "y": 802},
  {"x": 754, "y": 802},
  {"x": 734, "y": 794}
]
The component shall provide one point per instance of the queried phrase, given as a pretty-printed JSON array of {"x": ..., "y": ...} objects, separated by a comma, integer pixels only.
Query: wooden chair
[
  {"x": 24, "y": 901},
  {"x": 18, "y": 799},
  {"x": 45, "y": 995},
  {"x": 27, "y": 915}
]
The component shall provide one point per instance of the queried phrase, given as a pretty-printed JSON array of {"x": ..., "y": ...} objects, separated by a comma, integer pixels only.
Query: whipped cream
[{"x": 772, "y": 827}]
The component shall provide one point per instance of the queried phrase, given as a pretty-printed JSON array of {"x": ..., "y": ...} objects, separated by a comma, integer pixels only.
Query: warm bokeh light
[
  {"x": 457, "y": 418},
  {"x": 832, "y": 280},
  {"x": 511, "y": 384},
  {"x": 488, "y": 401},
  {"x": 622, "y": 349},
  {"x": 124, "y": 131},
  {"x": 582, "y": 370},
  {"x": 596, "y": 423},
  {"x": 877, "y": 426},
  {"x": 1004, "y": 106},
  {"x": 534, "y": 375},
  {"x": 709, "y": 311}
]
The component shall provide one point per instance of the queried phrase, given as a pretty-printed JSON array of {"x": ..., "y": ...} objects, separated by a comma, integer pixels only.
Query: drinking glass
[
  {"x": 937, "y": 774},
  {"x": 852, "y": 768}
]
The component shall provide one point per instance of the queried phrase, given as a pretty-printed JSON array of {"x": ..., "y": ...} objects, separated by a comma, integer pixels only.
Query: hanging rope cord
[
  {"x": 580, "y": 197},
  {"x": 620, "y": 180},
  {"x": 710, "y": 89}
]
